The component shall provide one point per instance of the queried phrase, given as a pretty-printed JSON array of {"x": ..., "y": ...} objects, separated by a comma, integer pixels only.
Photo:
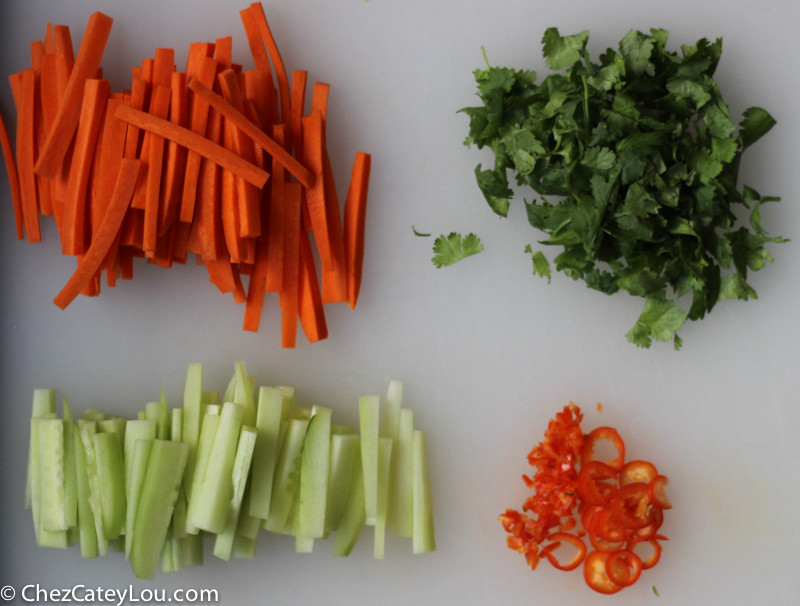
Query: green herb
[
  {"x": 655, "y": 591},
  {"x": 449, "y": 249},
  {"x": 416, "y": 233},
  {"x": 644, "y": 156}
]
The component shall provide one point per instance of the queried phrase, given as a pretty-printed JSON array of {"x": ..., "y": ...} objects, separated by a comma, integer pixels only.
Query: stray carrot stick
[
  {"x": 310, "y": 309},
  {"x": 73, "y": 235},
  {"x": 299, "y": 78},
  {"x": 280, "y": 71},
  {"x": 273, "y": 149},
  {"x": 291, "y": 267},
  {"x": 355, "y": 209},
  {"x": 24, "y": 98},
  {"x": 159, "y": 107},
  {"x": 89, "y": 56},
  {"x": 105, "y": 236},
  {"x": 260, "y": 57},
  {"x": 176, "y": 156},
  {"x": 186, "y": 138},
  {"x": 13, "y": 177},
  {"x": 205, "y": 73},
  {"x": 274, "y": 275},
  {"x": 312, "y": 155}
]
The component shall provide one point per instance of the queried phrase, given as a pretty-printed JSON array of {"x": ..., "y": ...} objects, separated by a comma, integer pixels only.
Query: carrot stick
[
  {"x": 260, "y": 57},
  {"x": 181, "y": 243},
  {"x": 220, "y": 273},
  {"x": 140, "y": 193},
  {"x": 186, "y": 138},
  {"x": 48, "y": 93},
  {"x": 138, "y": 93},
  {"x": 312, "y": 155},
  {"x": 355, "y": 208},
  {"x": 23, "y": 97},
  {"x": 258, "y": 90},
  {"x": 163, "y": 66},
  {"x": 159, "y": 107},
  {"x": 230, "y": 216},
  {"x": 13, "y": 177},
  {"x": 280, "y": 71},
  {"x": 133, "y": 228},
  {"x": 273, "y": 149},
  {"x": 105, "y": 236},
  {"x": 49, "y": 45},
  {"x": 176, "y": 156},
  {"x": 249, "y": 198},
  {"x": 256, "y": 290},
  {"x": 62, "y": 43},
  {"x": 197, "y": 52},
  {"x": 291, "y": 267},
  {"x": 209, "y": 219},
  {"x": 73, "y": 236},
  {"x": 239, "y": 296},
  {"x": 277, "y": 211},
  {"x": 205, "y": 73},
  {"x": 89, "y": 56},
  {"x": 299, "y": 78},
  {"x": 44, "y": 201},
  {"x": 259, "y": 157},
  {"x": 310, "y": 309}
]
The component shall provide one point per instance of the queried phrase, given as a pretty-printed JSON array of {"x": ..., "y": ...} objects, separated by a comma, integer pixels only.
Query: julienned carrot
[
  {"x": 209, "y": 219},
  {"x": 105, "y": 234},
  {"x": 163, "y": 66},
  {"x": 140, "y": 192},
  {"x": 65, "y": 54},
  {"x": 249, "y": 196},
  {"x": 176, "y": 156},
  {"x": 186, "y": 138},
  {"x": 230, "y": 216},
  {"x": 310, "y": 309},
  {"x": 49, "y": 45},
  {"x": 315, "y": 196},
  {"x": 43, "y": 186},
  {"x": 355, "y": 209},
  {"x": 278, "y": 153},
  {"x": 280, "y": 71},
  {"x": 112, "y": 149},
  {"x": 260, "y": 57},
  {"x": 256, "y": 290},
  {"x": 159, "y": 109},
  {"x": 25, "y": 154},
  {"x": 89, "y": 56},
  {"x": 13, "y": 177},
  {"x": 138, "y": 93},
  {"x": 291, "y": 266},
  {"x": 277, "y": 212},
  {"x": 299, "y": 79},
  {"x": 73, "y": 235},
  {"x": 205, "y": 73}
]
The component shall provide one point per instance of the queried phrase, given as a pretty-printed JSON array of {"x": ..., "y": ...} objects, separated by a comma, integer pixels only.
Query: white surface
[{"x": 487, "y": 352}]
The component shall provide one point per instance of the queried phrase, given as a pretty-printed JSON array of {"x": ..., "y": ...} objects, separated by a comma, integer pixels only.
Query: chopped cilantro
[
  {"x": 416, "y": 233},
  {"x": 655, "y": 591},
  {"x": 643, "y": 156},
  {"x": 449, "y": 249}
]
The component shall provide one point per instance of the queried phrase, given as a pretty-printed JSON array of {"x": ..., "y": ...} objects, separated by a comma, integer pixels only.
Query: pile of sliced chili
[{"x": 621, "y": 505}]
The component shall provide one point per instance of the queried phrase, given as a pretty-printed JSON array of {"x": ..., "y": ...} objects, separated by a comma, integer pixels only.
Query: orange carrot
[
  {"x": 62, "y": 44},
  {"x": 299, "y": 78},
  {"x": 280, "y": 71},
  {"x": 220, "y": 274},
  {"x": 23, "y": 98},
  {"x": 13, "y": 177},
  {"x": 291, "y": 266},
  {"x": 73, "y": 236},
  {"x": 230, "y": 217},
  {"x": 273, "y": 149},
  {"x": 138, "y": 93},
  {"x": 176, "y": 156},
  {"x": 49, "y": 45},
  {"x": 163, "y": 66},
  {"x": 159, "y": 107},
  {"x": 260, "y": 57},
  {"x": 355, "y": 208},
  {"x": 208, "y": 219},
  {"x": 249, "y": 198},
  {"x": 277, "y": 211},
  {"x": 205, "y": 73},
  {"x": 310, "y": 309},
  {"x": 105, "y": 236},
  {"x": 186, "y": 138},
  {"x": 312, "y": 155},
  {"x": 66, "y": 123},
  {"x": 258, "y": 90},
  {"x": 43, "y": 186},
  {"x": 48, "y": 92}
]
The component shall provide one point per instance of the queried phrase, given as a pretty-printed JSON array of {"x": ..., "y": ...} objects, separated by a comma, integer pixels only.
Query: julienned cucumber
[{"x": 128, "y": 486}]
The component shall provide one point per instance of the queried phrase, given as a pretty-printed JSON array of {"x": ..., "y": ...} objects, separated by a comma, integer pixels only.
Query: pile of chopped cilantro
[{"x": 644, "y": 156}]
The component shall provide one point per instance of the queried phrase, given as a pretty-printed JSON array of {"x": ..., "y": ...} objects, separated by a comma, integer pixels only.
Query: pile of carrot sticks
[{"x": 213, "y": 160}]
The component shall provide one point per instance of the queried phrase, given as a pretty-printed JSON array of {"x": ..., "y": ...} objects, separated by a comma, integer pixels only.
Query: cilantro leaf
[
  {"x": 660, "y": 320},
  {"x": 563, "y": 51},
  {"x": 756, "y": 123},
  {"x": 540, "y": 265},
  {"x": 450, "y": 249}
]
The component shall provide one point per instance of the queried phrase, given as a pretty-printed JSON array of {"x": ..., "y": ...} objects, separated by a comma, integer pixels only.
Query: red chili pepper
[
  {"x": 590, "y": 486},
  {"x": 657, "y": 490},
  {"x": 623, "y": 567},
  {"x": 637, "y": 471},
  {"x": 576, "y": 560},
  {"x": 631, "y": 506},
  {"x": 594, "y": 572},
  {"x": 654, "y": 557},
  {"x": 604, "y": 433}
]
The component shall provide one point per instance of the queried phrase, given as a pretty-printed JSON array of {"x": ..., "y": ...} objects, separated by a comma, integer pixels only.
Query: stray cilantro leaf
[
  {"x": 416, "y": 233},
  {"x": 655, "y": 591},
  {"x": 643, "y": 155},
  {"x": 450, "y": 249}
]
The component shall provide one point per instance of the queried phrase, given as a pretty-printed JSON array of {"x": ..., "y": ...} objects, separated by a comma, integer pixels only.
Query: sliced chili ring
[
  {"x": 631, "y": 507},
  {"x": 657, "y": 490},
  {"x": 603, "y": 433},
  {"x": 651, "y": 530},
  {"x": 576, "y": 560},
  {"x": 604, "y": 545},
  {"x": 623, "y": 567},
  {"x": 607, "y": 527},
  {"x": 595, "y": 575},
  {"x": 587, "y": 516},
  {"x": 590, "y": 486},
  {"x": 654, "y": 557},
  {"x": 637, "y": 471}
]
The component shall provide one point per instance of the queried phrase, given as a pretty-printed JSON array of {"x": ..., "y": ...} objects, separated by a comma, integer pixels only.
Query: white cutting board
[{"x": 487, "y": 351}]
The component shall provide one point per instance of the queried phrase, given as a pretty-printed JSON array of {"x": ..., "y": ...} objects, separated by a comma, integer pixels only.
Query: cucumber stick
[
  {"x": 287, "y": 474},
  {"x": 138, "y": 462},
  {"x": 390, "y": 428},
  {"x": 223, "y": 546},
  {"x": 248, "y": 525},
  {"x": 244, "y": 548},
  {"x": 88, "y": 533},
  {"x": 216, "y": 489},
  {"x": 204, "y": 446},
  {"x": 401, "y": 492},
  {"x": 44, "y": 402},
  {"x": 179, "y": 513},
  {"x": 423, "y": 539},
  {"x": 111, "y": 482},
  {"x": 312, "y": 500},
  {"x": 354, "y": 513},
  {"x": 88, "y": 431},
  {"x": 136, "y": 430},
  {"x": 52, "y": 502},
  {"x": 164, "y": 475},
  {"x": 343, "y": 456},
  {"x": 384, "y": 466},
  {"x": 192, "y": 417},
  {"x": 268, "y": 423},
  {"x": 243, "y": 394},
  {"x": 70, "y": 470},
  {"x": 369, "y": 416}
]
